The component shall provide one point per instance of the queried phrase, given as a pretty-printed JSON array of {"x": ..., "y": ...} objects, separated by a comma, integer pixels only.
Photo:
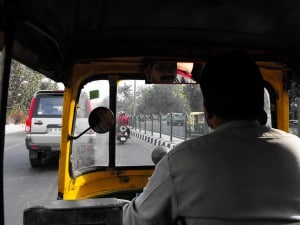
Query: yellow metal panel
[
  {"x": 276, "y": 77},
  {"x": 64, "y": 178},
  {"x": 68, "y": 111},
  {"x": 107, "y": 182},
  {"x": 98, "y": 183}
]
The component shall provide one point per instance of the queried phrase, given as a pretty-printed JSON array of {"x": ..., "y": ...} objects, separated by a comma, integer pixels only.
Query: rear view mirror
[
  {"x": 101, "y": 120},
  {"x": 167, "y": 72}
]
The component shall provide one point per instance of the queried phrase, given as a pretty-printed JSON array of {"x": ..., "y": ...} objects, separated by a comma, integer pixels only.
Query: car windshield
[
  {"x": 49, "y": 105},
  {"x": 143, "y": 115},
  {"x": 177, "y": 115}
]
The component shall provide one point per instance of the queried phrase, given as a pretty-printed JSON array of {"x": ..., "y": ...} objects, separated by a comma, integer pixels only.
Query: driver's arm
[{"x": 157, "y": 204}]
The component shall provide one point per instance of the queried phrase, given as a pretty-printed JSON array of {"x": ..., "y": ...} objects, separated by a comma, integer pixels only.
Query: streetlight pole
[{"x": 134, "y": 98}]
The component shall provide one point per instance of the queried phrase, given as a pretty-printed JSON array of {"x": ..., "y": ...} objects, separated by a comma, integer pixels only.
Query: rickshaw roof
[{"x": 51, "y": 36}]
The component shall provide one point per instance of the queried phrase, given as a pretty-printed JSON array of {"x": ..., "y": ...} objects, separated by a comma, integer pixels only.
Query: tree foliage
[
  {"x": 23, "y": 83},
  {"x": 156, "y": 99},
  {"x": 169, "y": 97},
  {"x": 195, "y": 97},
  {"x": 126, "y": 97}
]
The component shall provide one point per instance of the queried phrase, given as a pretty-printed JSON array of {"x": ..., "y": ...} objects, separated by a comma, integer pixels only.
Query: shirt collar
[{"x": 238, "y": 123}]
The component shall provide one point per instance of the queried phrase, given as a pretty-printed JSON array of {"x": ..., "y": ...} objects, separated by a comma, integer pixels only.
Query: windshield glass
[
  {"x": 91, "y": 148},
  {"x": 146, "y": 116},
  {"x": 147, "y": 107},
  {"x": 143, "y": 112}
]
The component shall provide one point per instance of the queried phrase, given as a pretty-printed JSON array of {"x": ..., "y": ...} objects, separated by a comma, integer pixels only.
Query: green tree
[
  {"x": 125, "y": 97},
  {"x": 125, "y": 91},
  {"x": 171, "y": 98},
  {"x": 23, "y": 83},
  {"x": 195, "y": 97}
]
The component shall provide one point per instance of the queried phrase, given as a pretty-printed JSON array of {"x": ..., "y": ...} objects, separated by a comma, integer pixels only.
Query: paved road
[{"x": 23, "y": 185}]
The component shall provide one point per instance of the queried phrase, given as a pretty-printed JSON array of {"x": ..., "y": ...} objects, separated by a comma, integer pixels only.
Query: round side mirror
[{"x": 101, "y": 120}]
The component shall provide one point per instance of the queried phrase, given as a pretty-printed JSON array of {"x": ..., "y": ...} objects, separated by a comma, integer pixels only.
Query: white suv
[{"x": 43, "y": 125}]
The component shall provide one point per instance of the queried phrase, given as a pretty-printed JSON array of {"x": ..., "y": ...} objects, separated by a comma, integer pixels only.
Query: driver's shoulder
[{"x": 188, "y": 146}]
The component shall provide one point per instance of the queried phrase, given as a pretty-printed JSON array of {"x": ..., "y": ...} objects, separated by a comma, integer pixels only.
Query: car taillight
[
  {"x": 29, "y": 119},
  {"x": 89, "y": 104}
]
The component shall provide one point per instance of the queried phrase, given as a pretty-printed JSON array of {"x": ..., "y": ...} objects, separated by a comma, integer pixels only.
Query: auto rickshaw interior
[
  {"x": 109, "y": 79},
  {"x": 99, "y": 50},
  {"x": 95, "y": 172},
  {"x": 96, "y": 166}
]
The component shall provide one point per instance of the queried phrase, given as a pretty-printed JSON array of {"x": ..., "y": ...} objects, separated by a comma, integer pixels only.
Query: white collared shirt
[{"x": 240, "y": 170}]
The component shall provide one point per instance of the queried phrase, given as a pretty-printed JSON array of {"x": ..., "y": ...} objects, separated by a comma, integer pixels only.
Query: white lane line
[{"x": 9, "y": 148}]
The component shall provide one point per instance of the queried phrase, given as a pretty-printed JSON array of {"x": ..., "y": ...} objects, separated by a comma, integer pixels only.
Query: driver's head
[
  {"x": 161, "y": 72},
  {"x": 233, "y": 87}
]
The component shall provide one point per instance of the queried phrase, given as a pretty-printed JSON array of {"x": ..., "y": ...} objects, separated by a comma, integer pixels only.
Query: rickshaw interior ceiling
[{"x": 51, "y": 36}]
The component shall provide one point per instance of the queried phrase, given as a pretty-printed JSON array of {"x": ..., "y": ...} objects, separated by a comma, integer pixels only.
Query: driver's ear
[
  {"x": 209, "y": 116},
  {"x": 148, "y": 74},
  {"x": 206, "y": 115},
  {"x": 207, "y": 112}
]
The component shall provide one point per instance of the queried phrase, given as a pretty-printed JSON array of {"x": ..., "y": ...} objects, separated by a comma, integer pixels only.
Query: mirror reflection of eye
[{"x": 165, "y": 67}]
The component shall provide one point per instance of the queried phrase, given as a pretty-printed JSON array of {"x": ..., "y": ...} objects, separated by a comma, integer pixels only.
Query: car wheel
[{"x": 36, "y": 161}]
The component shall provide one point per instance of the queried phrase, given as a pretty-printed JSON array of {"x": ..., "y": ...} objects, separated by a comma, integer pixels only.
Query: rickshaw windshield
[
  {"x": 146, "y": 116},
  {"x": 141, "y": 122}
]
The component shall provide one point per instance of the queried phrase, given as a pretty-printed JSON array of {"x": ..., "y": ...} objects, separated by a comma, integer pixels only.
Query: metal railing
[
  {"x": 167, "y": 124},
  {"x": 152, "y": 123}
]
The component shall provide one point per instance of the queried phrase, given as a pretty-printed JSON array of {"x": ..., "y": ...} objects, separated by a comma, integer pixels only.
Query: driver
[
  {"x": 169, "y": 72},
  {"x": 242, "y": 169},
  {"x": 161, "y": 72}
]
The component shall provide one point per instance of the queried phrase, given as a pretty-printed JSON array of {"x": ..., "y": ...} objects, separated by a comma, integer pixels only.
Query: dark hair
[{"x": 233, "y": 87}]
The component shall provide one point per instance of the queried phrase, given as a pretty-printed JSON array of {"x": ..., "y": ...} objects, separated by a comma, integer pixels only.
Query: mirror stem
[{"x": 75, "y": 137}]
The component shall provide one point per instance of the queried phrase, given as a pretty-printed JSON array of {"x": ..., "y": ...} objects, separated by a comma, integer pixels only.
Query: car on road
[
  {"x": 43, "y": 125},
  {"x": 176, "y": 119}
]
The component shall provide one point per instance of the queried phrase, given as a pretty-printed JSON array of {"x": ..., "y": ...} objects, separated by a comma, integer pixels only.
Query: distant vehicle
[
  {"x": 196, "y": 124},
  {"x": 122, "y": 134},
  {"x": 43, "y": 125},
  {"x": 176, "y": 119},
  {"x": 294, "y": 127},
  {"x": 293, "y": 121}
]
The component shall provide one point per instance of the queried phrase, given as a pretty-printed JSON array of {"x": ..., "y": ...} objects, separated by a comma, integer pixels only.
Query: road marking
[{"x": 9, "y": 148}]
